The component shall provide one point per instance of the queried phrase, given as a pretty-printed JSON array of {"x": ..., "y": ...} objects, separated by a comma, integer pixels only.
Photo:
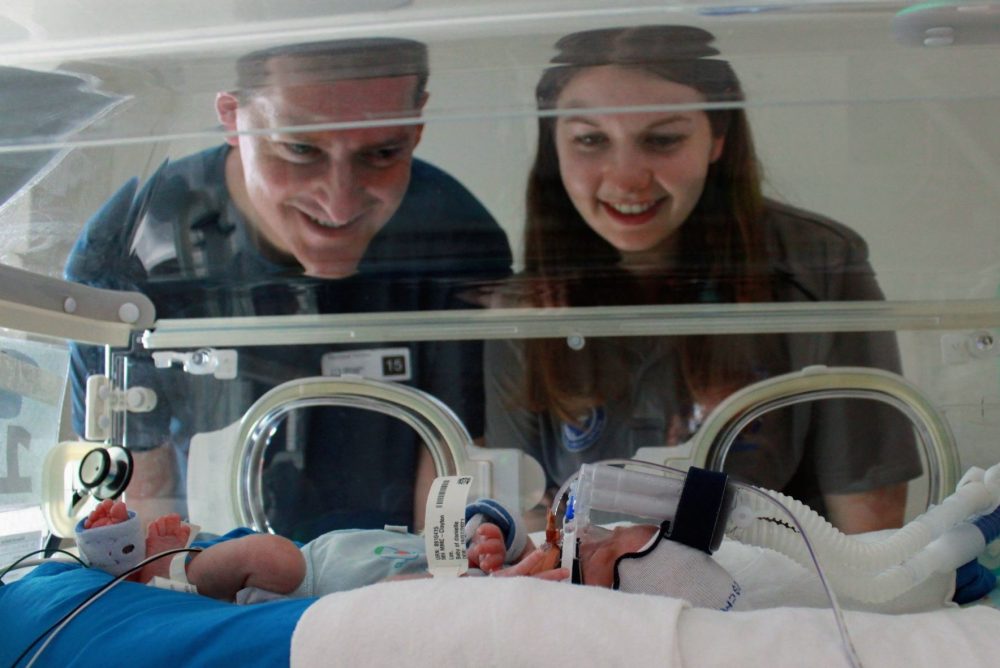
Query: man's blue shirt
[{"x": 181, "y": 241}]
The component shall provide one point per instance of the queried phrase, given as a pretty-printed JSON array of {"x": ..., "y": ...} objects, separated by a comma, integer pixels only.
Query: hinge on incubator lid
[
  {"x": 103, "y": 399},
  {"x": 204, "y": 361}
]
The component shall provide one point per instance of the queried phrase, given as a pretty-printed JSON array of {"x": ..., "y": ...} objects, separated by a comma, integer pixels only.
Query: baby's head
[
  {"x": 641, "y": 559},
  {"x": 601, "y": 549}
]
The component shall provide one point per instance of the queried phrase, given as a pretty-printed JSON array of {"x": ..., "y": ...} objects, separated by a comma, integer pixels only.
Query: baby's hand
[
  {"x": 487, "y": 550},
  {"x": 166, "y": 533},
  {"x": 162, "y": 534},
  {"x": 537, "y": 564},
  {"x": 107, "y": 512}
]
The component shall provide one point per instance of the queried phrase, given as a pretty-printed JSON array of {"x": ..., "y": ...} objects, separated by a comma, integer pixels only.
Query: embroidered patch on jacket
[{"x": 577, "y": 439}]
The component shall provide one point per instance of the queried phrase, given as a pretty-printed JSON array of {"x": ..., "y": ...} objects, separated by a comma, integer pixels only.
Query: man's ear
[
  {"x": 226, "y": 106},
  {"x": 420, "y": 105}
]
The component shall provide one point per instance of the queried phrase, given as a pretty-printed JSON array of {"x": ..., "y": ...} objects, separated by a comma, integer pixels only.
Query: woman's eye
[
  {"x": 664, "y": 142},
  {"x": 590, "y": 140}
]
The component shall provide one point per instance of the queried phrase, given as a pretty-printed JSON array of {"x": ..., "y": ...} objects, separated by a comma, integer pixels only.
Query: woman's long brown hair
[{"x": 720, "y": 258}]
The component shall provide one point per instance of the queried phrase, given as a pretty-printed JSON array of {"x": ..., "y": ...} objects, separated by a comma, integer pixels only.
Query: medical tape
[{"x": 444, "y": 526}]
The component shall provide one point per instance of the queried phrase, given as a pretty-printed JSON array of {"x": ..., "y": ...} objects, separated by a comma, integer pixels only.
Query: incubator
[{"x": 279, "y": 267}]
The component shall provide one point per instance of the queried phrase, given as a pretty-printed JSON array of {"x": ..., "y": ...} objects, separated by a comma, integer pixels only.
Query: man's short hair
[{"x": 333, "y": 60}]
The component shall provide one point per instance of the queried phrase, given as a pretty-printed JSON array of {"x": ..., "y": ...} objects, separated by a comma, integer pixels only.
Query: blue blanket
[{"x": 137, "y": 625}]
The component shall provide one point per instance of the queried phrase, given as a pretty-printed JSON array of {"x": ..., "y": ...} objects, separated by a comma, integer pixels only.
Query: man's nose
[{"x": 339, "y": 192}]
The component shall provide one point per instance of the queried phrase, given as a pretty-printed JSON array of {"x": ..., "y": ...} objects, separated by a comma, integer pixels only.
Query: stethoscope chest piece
[{"x": 104, "y": 473}]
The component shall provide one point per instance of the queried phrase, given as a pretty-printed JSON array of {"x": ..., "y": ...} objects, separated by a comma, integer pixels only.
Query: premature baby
[{"x": 336, "y": 561}]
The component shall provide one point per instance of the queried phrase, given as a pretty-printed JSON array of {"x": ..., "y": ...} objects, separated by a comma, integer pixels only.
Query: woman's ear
[
  {"x": 718, "y": 143},
  {"x": 226, "y": 106}
]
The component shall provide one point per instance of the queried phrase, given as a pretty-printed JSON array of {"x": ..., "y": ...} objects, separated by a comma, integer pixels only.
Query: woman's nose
[{"x": 627, "y": 172}]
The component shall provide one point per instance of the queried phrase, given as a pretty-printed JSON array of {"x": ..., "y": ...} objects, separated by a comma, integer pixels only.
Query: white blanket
[
  {"x": 526, "y": 622},
  {"x": 487, "y": 622}
]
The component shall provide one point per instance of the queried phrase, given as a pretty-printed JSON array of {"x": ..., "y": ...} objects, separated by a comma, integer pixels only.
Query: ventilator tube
[{"x": 940, "y": 540}]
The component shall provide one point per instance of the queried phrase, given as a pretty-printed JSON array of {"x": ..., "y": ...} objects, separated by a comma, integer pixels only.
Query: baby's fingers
[
  {"x": 555, "y": 575},
  {"x": 523, "y": 567}
]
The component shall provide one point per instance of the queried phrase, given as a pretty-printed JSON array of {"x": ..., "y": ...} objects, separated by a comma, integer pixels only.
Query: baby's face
[{"x": 600, "y": 550}]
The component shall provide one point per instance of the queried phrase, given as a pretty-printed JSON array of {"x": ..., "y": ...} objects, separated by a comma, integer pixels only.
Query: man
[{"x": 335, "y": 216}]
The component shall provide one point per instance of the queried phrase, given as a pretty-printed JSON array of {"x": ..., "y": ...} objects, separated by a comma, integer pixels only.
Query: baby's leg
[
  {"x": 487, "y": 551},
  {"x": 508, "y": 528},
  {"x": 162, "y": 534}
]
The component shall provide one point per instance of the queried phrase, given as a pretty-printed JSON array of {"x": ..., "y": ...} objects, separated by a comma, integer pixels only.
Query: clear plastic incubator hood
[{"x": 281, "y": 265}]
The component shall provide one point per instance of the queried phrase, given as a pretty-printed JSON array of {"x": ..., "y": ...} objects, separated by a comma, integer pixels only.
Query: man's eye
[
  {"x": 384, "y": 155},
  {"x": 299, "y": 151}
]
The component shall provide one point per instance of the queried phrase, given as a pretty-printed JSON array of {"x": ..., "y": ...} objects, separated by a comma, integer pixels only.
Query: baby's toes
[
  {"x": 118, "y": 512},
  {"x": 490, "y": 562},
  {"x": 487, "y": 532},
  {"x": 98, "y": 514}
]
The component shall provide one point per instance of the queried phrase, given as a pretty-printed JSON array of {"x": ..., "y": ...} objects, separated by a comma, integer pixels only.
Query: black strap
[{"x": 699, "y": 522}]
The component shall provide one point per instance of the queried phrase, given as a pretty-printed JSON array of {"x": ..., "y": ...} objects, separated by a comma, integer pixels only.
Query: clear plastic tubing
[{"x": 618, "y": 490}]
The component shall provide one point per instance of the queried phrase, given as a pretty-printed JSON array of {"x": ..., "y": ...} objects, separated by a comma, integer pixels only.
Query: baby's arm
[
  {"x": 537, "y": 564},
  {"x": 265, "y": 561}
]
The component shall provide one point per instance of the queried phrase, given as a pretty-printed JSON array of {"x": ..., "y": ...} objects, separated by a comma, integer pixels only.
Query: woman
[{"x": 664, "y": 206}]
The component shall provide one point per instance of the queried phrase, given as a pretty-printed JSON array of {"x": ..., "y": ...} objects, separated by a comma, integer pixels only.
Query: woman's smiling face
[{"x": 633, "y": 177}]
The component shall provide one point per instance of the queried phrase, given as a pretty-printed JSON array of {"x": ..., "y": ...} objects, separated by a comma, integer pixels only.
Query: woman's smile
[{"x": 633, "y": 213}]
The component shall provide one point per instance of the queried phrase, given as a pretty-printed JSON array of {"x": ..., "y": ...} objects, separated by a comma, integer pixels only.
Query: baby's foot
[
  {"x": 107, "y": 512},
  {"x": 164, "y": 533},
  {"x": 487, "y": 551}
]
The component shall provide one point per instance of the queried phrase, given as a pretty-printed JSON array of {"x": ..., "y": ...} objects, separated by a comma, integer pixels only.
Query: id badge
[{"x": 376, "y": 364}]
